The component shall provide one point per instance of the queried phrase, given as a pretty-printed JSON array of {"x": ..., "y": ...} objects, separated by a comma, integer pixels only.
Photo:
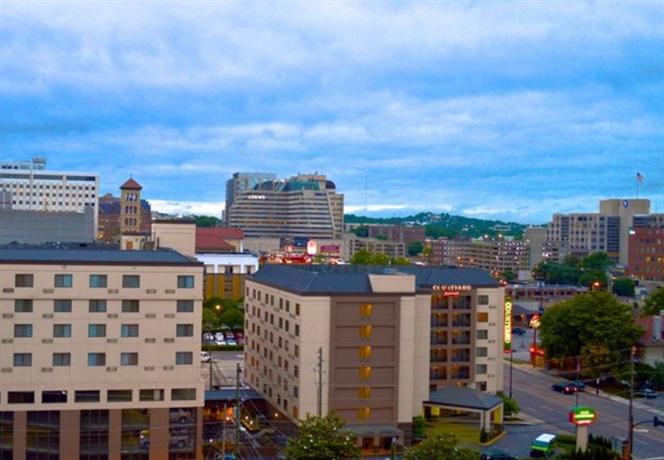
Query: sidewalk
[{"x": 537, "y": 371}]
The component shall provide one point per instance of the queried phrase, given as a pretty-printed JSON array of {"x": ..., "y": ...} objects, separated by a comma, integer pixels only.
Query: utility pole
[
  {"x": 211, "y": 386},
  {"x": 577, "y": 380},
  {"x": 630, "y": 434},
  {"x": 223, "y": 434},
  {"x": 238, "y": 415},
  {"x": 320, "y": 381}
]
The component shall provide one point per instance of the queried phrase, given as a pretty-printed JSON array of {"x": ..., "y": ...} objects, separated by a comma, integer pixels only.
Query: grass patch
[{"x": 465, "y": 432}]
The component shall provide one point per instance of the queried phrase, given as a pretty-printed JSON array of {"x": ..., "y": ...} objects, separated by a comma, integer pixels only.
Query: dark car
[
  {"x": 518, "y": 331},
  {"x": 647, "y": 393},
  {"x": 566, "y": 388},
  {"x": 580, "y": 386},
  {"x": 497, "y": 454}
]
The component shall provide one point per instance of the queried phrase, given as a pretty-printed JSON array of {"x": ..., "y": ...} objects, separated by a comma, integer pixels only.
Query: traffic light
[{"x": 656, "y": 421}]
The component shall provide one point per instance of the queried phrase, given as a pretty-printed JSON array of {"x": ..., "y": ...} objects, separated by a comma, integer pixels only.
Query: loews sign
[{"x": 508, "y": 324}]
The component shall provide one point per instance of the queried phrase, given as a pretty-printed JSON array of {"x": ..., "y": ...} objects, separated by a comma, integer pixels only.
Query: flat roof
[
  {"x": 354, "y": 279},
  {"x": 73, "y": 254}
]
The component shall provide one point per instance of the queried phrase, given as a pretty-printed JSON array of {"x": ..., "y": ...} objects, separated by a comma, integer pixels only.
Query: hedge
[{"x": 223, "y": 347}]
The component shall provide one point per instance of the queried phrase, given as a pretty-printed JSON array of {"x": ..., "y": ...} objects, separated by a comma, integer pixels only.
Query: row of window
[
  {"x": 98, "y": 330},
  {"x": 98, "y": 359},
  {"x": 65, "y": 280},
  {"x": 96, "y": 306},
  {"x": 284, "y": 304},
  {"x": 91, "y": 396}
]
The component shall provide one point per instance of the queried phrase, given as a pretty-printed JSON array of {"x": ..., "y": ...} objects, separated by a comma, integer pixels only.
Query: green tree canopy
[
  {"x": 593, "y": 318},
  {"x": 233, "y": 317},
  {"x": 400, "y": 261},
  {"x": 597, "y": 261},
  {"x": 508, "y": 275},
  {"x": 654, "y": 303},
  {"x": 415, "y": 248},
  {"x": 364, "y": 257},
  {"x": 362, "y": 231},
  {"x": 623, "y": 287},
  {"x": 441, "y": 447},
  {"x": 206, "y": 221},
  {"x": 210, "y": 320},
  {"x": 322, "y": 438}
]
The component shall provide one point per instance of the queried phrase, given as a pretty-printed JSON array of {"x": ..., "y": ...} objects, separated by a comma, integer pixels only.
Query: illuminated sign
[
  {"x": 255, "y": 197},
  {"x": 582, "y": 415},
  {"x": 451, "y": 287},
  {"x": 312, "y": 248},
  {"x": 508, "y": 324}
]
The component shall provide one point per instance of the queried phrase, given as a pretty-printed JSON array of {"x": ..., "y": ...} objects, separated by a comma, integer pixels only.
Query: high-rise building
[
  {"x": 387, "y": 338},
  {"x": 35, "y": 188},
  {"x": 243, "y": 182},
  {"x": 99, "y": 352},
  {"x": 306, "y": 205},
  {"x": 581, "y": 234}
]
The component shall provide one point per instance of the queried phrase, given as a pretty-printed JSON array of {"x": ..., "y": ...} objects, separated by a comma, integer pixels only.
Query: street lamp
[{"x": 217, "y": 307}]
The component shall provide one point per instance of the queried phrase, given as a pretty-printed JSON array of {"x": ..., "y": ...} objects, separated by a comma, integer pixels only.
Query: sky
[{"x": 502, "y": 110}]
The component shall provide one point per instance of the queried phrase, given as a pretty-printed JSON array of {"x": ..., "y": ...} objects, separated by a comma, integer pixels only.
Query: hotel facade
[
  {"x": 99, "y": 354},
  {"x": 381, "y": 339}
]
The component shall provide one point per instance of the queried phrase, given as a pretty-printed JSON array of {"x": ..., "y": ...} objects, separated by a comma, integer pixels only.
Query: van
[{"x": 542, "y": 446}]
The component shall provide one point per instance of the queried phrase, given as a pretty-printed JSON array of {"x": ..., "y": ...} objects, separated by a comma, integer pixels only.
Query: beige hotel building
[
  {"x": 389, "y": 338},
  {"x": 99, "y": 354}
]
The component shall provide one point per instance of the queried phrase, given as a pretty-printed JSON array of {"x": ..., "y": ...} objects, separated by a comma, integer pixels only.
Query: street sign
[{"x": 582, "y": 415}]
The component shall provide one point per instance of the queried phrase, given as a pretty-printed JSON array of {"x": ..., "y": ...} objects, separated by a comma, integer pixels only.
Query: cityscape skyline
[{"x": 505, "y": 111}]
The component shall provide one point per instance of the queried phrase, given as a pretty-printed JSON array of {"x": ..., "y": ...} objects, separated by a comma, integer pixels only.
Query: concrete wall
[{"x": 179, "y": 236}]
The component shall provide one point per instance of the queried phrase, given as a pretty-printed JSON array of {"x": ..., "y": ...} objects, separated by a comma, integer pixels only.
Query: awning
[
  {"x": 375, "y": 430},
  {"x": 463, "y": 397}
]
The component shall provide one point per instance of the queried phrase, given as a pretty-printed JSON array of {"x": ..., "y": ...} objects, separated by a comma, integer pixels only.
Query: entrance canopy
[
  {"x": 365, "y": 431},
  {"x": 463, "y": 398}
]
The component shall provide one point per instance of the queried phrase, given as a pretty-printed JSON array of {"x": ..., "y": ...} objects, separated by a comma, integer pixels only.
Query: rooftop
[
  {"x": 354, "y": 279},
  {"x": 464, "y": 397},
  {"x": 213, "y": 239},
  {"x": 89, "y": 254},
  {"x": 131, "y": 184}
]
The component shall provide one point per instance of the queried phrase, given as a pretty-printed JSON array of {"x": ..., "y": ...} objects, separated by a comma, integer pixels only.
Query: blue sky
[{"x": 481, "y": 108}]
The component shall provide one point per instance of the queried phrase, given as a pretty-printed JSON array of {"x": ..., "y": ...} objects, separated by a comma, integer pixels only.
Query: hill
[{"x": 446, "y": 225}]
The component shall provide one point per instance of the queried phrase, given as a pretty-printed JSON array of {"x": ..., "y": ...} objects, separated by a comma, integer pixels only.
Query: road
[{"x": 534, "y": 394}]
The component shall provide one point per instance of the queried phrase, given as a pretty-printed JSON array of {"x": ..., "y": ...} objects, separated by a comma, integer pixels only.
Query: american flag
[{"x": 639, "y": 177}]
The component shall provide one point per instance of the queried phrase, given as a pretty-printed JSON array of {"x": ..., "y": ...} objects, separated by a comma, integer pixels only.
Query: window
[
  {"x": 482, "y": 334},
  {"x": 363, "y": 413},
  {"x": 22, "y": 330},
  {"x": 63, "y": 281},
  {"x": 96, "y": 359},
  {"x": 97, "y": 306},
  {"x": 86, "y": 396},
  {"x": 481, "y": 386},
  {"x": 61, "y": 359},
  {"x": 96, "y": 330},
  {"x": 129, "y": 359},
  {"x": 22, "y": 306},
  {"x": 184, "y": 357},
  {"x": 481, "y": 352},
  {"x": 364, "y": 393},
  {"x": 21, "y": 280},
  {"x": 297, "y": 330},
  {"x": 151, "y": 395},
  {"x": 480, "y": 369},
  {"x": 365, "y": 372},
  {"x": 183, "y": 394},
  {"x": 21, "y": 397},
  {"x": 184, "y": 330},
  {"x": 366, "y": 310},
  {"x": 482, "y": 317},
  {"x": 482, "y": 300},
  {"x": 185, "y": 282},
  {"x": 62, "y": 306},
  {"x": 365, "y": 332},
  {"x": 98, "y": 281},
  {"x": 131, "y": 281},
  {"x": 297, "y": 309},
  {"x": 22, "y": 359},
  {"x": 365, "y": 352},
  {"x": 54, "y": 396},
  {"x": 130, "y": 306},
  {"x": 185, "y": 306},
  {"x": 129, "y": 330},
  {"x": 118, "y": 395},
  {"x": 62, "y": 330}
]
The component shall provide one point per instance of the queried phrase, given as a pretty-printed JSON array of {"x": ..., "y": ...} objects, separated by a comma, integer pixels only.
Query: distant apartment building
[
  {"x": 352, "y": 244},
  {"x": 225, "y": 273},
  {"x": 646, "y": 254},
  {"x": 535, "y": 238},
  {"x": 306, "y": 205},
  {"x": 581, "y": 234},
  {"x": 495, "y": 256},
  {"x": 387, "y": 337},
  {"x": 406, "y": 234},
  {"x": 243, "y": 182},
  {"x": 35, "y": 188},
  {"x": 99, "y": 354}
]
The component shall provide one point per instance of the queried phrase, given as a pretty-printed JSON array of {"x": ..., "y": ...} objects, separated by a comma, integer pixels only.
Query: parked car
[
  {"x": 229, "y": 335},
  {"x": 497, "y": 454},
  {"x": 580, "y": 385},
  {"x": 518, "y": 331},
  {"x": 566, "y": 388},
  {"x": 220, "y": 342},
  {"x": 231, "y": 342},
  {"x": 647, "y": 393},
  {"x": 205, "y": 357},
  {"x": 219, "y": 336}
]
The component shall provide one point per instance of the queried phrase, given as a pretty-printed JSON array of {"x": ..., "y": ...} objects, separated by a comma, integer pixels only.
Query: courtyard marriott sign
[{"x": 508, "y": 324}]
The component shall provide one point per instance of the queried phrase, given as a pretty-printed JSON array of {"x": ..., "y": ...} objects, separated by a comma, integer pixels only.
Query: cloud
[{"x": 186, "y": 208}]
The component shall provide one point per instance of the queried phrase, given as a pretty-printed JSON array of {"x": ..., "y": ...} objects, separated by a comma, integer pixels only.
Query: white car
[
  {"x": 231, "y": 342},
  {"x": 219, "y": 336},
  {"x": 220, "y": 342},
  {"x": 205, "y": 357}
]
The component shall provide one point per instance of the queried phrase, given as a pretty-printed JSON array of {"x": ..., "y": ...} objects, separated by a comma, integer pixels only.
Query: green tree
[
  {"x": 415, "y": 248},
  {"x": 381, "y": 237},
  {"x": 400, "y": 261},
  {"x": 206, "y": 221},
  {"x": 597, "y": 359},
  {"x": 623, "y": 287},
  {"x": 361, "y": 257},
  {"x": 654, "y": 303},
  {"x": 419, "y": 427},
  {"x": 210, "y": 320},
  {"x": 510, "y": 405},
  {"x": 378, "y": 258},
  {"x": 589, "y": 277},
  {"x": 593, "y": 318},
  {"x": 508, "y": 275},
  {"x": 322, "y": 438},
  {"x": 427, "y": 251},
  {"x": 597, "y": 261},
  {"x": 233, "y": 317},
  {"x": 362, "y": 231},
  {"x": 441, "y": 447}
]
